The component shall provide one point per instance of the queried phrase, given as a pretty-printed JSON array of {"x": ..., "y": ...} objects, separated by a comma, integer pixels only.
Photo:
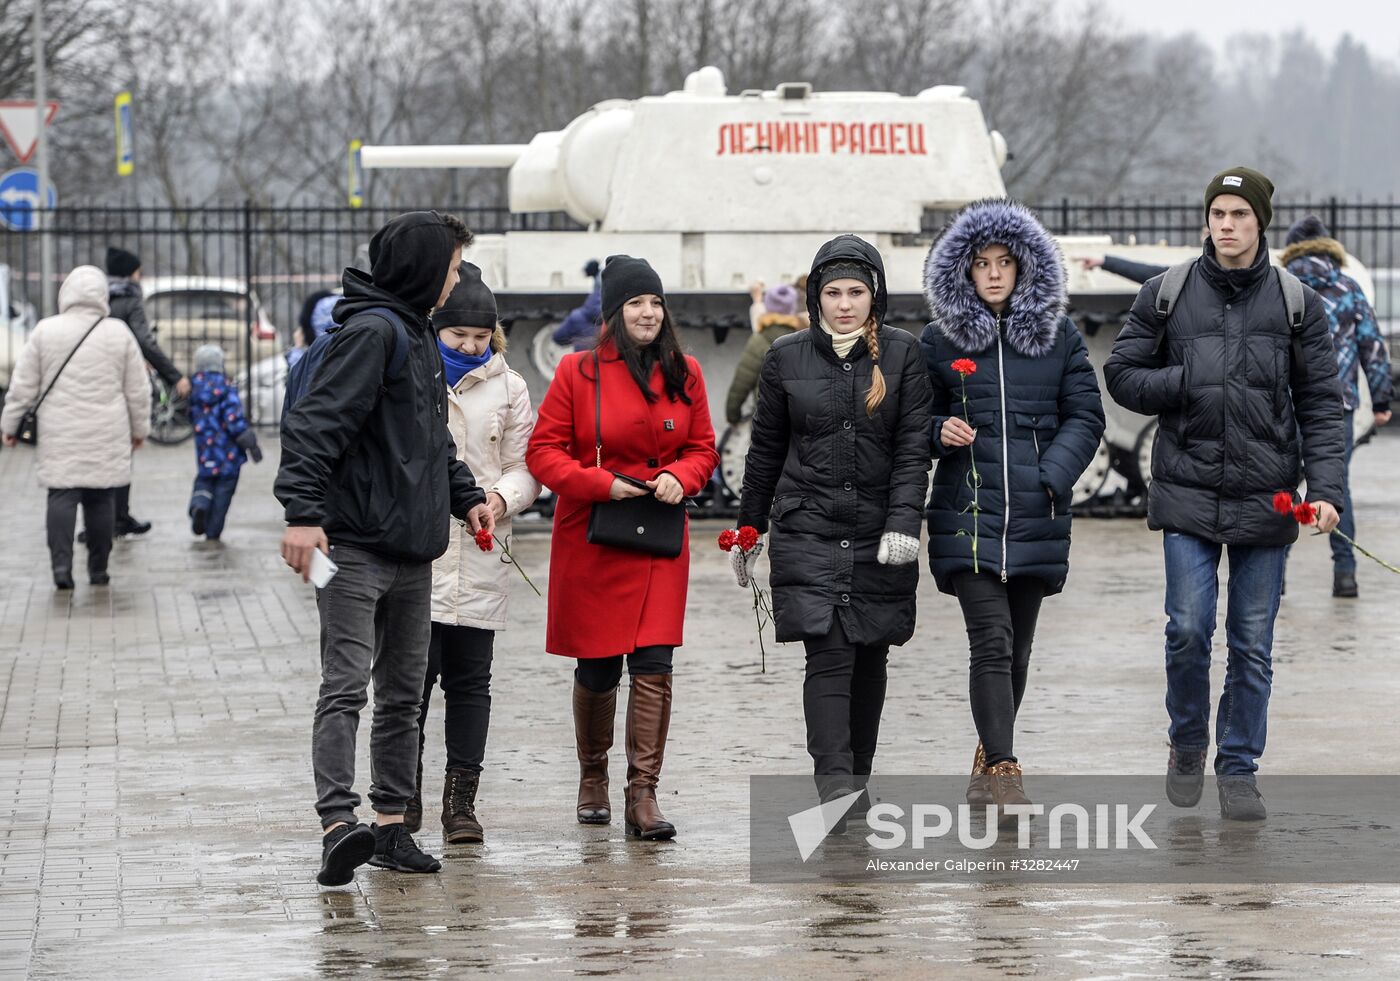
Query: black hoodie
[{"x": 368, "y": 458}]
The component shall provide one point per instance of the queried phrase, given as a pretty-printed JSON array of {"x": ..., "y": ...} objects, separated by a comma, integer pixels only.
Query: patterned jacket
[{"x": 218, "y": 420}]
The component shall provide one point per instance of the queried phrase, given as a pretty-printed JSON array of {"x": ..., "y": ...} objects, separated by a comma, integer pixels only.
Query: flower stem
[
  {"x": 1374, "y": 558},
  {"x": 976, "y": 480},
  {"x": 511, "y": 559}
]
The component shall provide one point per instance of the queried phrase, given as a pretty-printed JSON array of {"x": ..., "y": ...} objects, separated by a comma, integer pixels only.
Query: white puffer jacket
[
  {"x": 100, "y": 402},
  {"x": 491, "y": 420}
]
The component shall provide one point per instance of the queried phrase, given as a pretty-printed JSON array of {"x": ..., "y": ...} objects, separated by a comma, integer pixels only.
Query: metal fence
[{"x": 240, "y": 275}]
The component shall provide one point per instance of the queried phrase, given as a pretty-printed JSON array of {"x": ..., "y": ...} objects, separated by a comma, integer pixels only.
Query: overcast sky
[{"x": 1375, "y": 22}]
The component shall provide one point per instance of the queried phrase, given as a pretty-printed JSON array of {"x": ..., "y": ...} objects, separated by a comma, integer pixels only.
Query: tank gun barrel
[{"x": 462, "y": 155}]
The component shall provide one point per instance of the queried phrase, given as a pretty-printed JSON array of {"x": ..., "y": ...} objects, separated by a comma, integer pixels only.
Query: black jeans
[
  {"x": 461, "y": 658},
  {"x": 842, "y": 698},
  {"x": 123, "y": 496},
  {"x": 99, "y": 517},
  {"x": 1000, "y": 620},
  {"x": 602, "y": 674}
]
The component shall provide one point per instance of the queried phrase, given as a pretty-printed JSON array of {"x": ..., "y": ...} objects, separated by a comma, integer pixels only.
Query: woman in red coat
[{"x": 606, "y": 603}]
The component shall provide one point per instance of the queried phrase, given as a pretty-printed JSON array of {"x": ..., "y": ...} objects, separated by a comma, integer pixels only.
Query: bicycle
[{"x": 170, "y": 414}]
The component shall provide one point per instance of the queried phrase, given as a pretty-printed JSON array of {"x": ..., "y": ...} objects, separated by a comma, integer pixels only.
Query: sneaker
[
  {"x": 1186, "y": 776},
  {"x": 342, "y": 850},
  {"x": 1344, "y": 584},
  {"x": 1240, "y": 799},
  {"x": 130, "y": 526},
  {"x": 199, "y": 520},
  {"x": 395, "y": 849}
]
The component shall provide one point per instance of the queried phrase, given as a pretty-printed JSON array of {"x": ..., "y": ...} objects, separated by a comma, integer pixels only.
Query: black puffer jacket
[
  {"x": 369, "y": 458},
  {"x": 833, "y": 478},
  {"x": 1231, "y": 397},
  {"x": 1034, "y": 401}
]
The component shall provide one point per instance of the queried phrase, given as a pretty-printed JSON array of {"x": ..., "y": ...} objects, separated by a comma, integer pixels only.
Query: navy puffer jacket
[{"x": 1034, "y": 401}]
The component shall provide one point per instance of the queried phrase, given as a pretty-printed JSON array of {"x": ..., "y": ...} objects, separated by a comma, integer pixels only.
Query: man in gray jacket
[{"x": 1233, "y": 382}]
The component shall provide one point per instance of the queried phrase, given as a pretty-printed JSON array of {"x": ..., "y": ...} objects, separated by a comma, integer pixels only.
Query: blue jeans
[
  {"x": 1241, "y": 720},
  {"x": 213, "y": 495},
  {"x": 1343, "y": 558}
]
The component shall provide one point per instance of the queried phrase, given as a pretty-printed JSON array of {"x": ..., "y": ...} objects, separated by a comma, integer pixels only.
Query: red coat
[{"x": 607, "y": 601}]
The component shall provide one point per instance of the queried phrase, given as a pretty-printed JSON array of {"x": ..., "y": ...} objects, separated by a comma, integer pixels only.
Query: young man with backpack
[
  {"x": 1234, "y": 358},
  {"x": 368, "y": 476}
]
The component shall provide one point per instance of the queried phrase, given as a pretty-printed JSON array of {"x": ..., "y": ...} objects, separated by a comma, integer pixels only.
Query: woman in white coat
[
  {"x": 490, "y": 418},
  {"x": 96, "y": 413}
]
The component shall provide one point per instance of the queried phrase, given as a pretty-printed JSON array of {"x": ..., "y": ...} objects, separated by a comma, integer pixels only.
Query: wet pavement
[{"x": 155, "y": 787}]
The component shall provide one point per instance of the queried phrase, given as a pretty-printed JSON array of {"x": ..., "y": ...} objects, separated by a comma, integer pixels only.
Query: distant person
[
  {"x": 370, "y": 477},
  {"x": 580, "y": 327},
  {"x": 84, "y": 372},
  {"x": 1233, "y": 387},
  {"x": 1316, "y": 258},
  {"x": 124, "y": 295},
  {"x": 313, "y": 321},
  {"x": 1138, "y": 272},
  {"x": 223, "y": 442},
  {"x": 778, "y": 319}
]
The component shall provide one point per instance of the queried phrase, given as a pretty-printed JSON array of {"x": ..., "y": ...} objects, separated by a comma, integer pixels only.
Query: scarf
[
  {"x": 457, "y": 364},
  {"x": 842, "y": 343}
]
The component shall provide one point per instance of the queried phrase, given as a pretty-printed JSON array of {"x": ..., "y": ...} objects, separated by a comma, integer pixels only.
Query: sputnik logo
[{"x": 810, "y": 827}]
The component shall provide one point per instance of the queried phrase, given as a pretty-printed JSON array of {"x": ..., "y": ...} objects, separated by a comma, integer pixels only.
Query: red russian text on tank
[{"x": 870, "y": 139}]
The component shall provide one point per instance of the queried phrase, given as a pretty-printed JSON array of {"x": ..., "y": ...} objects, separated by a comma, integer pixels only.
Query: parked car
[{"x": 188, "y": 311}]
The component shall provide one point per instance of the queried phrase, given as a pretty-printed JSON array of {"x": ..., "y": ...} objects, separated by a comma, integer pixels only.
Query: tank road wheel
[
  {"x": 1087, "y": 487},
  {"x": 545, "y": 354},
  {"x": 733, "y": 447},
  {"x": 1142, "y": 456}
]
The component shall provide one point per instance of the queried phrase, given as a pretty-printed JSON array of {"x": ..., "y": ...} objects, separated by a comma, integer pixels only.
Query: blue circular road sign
[{"x": 19, "y": 196}]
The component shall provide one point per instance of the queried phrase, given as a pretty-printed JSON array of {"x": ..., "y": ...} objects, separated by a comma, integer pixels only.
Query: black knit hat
[
  {"x": 833, "y": 271},
  {"x": 625, "y": 277},
  {"x": 1305, "y": 228},
  {"x": 121, "y": 262},
  {"x": 470, "y": 304},
  {"x": 1249, "y": 184}
]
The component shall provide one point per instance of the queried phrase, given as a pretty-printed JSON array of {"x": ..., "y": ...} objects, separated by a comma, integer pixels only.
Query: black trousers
[
  {"x": 460, "y": 657},
  {"x": 123, "y": 498},
  {"x": 842, "y": 698},
  {"x": 99, "y": 517},
  {"x": 602, "y": 674},
  {"x": 1000, "y": 620}
]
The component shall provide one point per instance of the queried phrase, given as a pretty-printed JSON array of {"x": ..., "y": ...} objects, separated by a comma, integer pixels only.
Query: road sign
[
  {"x": 19, "y": 196},
  {"x": 19, "y": 124},
  {"x": 357, "y": 176},
  {"x": 126, "y": 152}
]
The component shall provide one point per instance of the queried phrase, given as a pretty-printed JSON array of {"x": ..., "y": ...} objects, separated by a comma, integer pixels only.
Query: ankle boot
[
  {"x": 593, "y": 736},
  {"x": 1005, "y": 784},
  {"x": 459, "y": 821},
  {"x": 979, "y": 790},
  {"x": 648, "y": 719},
  {"x": 413, "y": 810}
]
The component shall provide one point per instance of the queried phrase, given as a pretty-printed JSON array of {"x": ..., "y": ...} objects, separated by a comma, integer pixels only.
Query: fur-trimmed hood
[
  {"x": 1037, "y": 302},
  {"x": 1328, "y": 248}
]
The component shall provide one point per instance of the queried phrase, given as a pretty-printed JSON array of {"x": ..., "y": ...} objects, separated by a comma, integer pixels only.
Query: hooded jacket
[
  {"x": 99, "y": 403},
  {"x": 1033, "y": 400},
  {"x": 369, "y": 458},
  {"x": 771, "y": 326},
  {"x": 124, "y": 299},
  {"x": 1231, "y": 398},
  {"x": 217, "y": 414},
  {"x": 1352, "y": 323},
  {"x": 830, "y": 479}
]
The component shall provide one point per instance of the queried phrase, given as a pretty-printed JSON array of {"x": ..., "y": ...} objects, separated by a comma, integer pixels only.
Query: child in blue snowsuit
[{"x": 222, "y": 442}]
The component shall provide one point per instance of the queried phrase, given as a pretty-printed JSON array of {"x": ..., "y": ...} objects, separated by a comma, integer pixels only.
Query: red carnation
[
  {"x": 1283, "y": 502},
  {"x": 484, "y": 540},
  {"x": 728, "y": 539},
  {"x": 965, "y": 366},
  {"x": 1305, "y": 514},
  {"x": 748, "y": 538}
]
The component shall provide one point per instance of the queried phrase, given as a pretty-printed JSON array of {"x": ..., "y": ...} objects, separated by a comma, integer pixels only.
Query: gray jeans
[{"x": 376, "y": 620}]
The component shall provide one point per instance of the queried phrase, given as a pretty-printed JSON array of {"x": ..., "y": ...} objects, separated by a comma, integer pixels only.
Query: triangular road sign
[{"x": 19, "y": 124}]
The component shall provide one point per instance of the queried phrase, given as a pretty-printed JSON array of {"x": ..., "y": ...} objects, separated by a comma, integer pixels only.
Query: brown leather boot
[
  {"x": 459, "y": 822},
  {"x": 593, "y": 735},
  {"x": 1005, "y": 781},
  {"x": 979, "y": 789},
  {"x": 648, "y": 719},
  {"x": 413, "y": 810}
]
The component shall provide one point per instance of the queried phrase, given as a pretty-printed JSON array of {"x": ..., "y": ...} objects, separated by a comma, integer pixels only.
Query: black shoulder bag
[
  {"x": 639, "y": 524},
  {"x": 28, "y": 432}
]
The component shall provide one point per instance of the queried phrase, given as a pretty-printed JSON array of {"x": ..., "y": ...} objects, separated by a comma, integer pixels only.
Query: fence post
[
  {"x": 1064, "y": 216},
  {"x": 249, "y": 396},
  {"x": 1332, "y": 216}
]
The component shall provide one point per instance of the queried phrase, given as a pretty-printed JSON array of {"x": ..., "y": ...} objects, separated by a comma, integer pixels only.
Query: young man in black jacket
[
  {"x": 370, "y": 476},
  {"x": 1233, "y": 384}
]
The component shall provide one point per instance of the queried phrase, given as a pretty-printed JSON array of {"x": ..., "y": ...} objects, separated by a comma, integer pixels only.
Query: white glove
[
  {"x": 897, "y": 548},
  {"x": 743, "y": 564}
]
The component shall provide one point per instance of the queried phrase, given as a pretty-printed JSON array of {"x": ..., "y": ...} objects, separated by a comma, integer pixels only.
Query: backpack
[
  {"x": 1175, "y": 278},
  {"x": 301, "y": 373}
]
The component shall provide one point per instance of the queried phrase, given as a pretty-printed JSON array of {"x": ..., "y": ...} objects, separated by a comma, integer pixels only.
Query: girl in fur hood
[{"x": 1010, "y": 436}]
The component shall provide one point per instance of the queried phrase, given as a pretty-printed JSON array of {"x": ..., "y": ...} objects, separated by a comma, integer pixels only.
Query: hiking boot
[
  {"x": 1344, "y": 584},
  {"x": 395, "y": 849},
  {"x": 130, "y": 526},
  {"x": 63, "y": 578},
  {"x": 342, "y": 851},
  {"x": 459, "y": 821},
  {"x": 1186, "y": 776},
  {"x": 99, "y": 579},
  {"x": 979, "y": 788},
  {"x": 199, "y": 520},
  {"x": 1240, "y": 799},
  {"x": 1005, "y": 782}
]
